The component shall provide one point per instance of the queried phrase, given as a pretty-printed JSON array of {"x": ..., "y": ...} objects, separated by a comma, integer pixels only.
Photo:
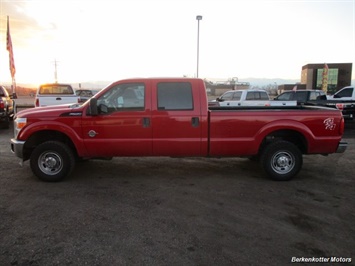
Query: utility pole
[
  {"x": 55, "y": 71},
  {"x": 198, "y": 18}
]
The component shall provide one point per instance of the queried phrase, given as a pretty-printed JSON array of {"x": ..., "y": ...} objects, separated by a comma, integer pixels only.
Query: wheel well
[
  {"x": 43, "y": 136},
  {"x": 288, "y": 135}
]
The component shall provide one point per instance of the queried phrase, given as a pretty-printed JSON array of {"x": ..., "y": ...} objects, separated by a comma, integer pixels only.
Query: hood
[{"x": 52, "y": 111}]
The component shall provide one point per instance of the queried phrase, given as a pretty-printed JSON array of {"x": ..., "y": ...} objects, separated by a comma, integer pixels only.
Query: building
[{"x": 339, "y": 76}]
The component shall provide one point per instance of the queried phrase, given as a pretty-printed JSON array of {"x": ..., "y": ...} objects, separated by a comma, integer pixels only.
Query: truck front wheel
[
  {"x": 281, "y": 160},
  {"x": 52, "y": 161}
]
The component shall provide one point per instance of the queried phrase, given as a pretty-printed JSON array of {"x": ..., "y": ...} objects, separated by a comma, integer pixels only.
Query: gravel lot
[{"x": 165, "y": 211}]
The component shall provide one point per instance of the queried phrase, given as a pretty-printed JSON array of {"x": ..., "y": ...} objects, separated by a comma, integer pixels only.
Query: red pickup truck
[{"x": 170, "y": 117}]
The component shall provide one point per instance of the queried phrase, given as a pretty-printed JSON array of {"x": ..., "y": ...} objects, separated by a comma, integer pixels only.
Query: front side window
[
  {"x": 228, "y": 96},
  {"x": 284, "y": 97},
  {"x": 345, "y": 93},
  {"x": 129, "y": 96},
  {"x": 313, "y": 95},
  {"x": 175, "y": 96}
]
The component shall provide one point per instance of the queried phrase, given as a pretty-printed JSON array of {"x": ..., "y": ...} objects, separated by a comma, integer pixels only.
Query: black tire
[
  {"x": 52, "y": 161},
  {"x": 5, "y": 124},
  {"x": 281, "y": 160}
]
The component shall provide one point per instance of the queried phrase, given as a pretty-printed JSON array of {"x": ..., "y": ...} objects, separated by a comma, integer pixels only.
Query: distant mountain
[
  {"x": 259, "y": 82},
  {"x": 254, "y": 82}
]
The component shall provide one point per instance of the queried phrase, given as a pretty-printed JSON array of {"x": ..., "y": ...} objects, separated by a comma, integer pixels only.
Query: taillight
[
  {"x": 2, "y": 104},
  {"x": 342, "y": 126},
  {"x": 340, "y": 106},
  {"x": 37, "y": 102}
]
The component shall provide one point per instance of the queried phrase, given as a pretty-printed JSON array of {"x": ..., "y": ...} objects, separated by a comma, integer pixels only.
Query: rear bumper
[
  {"x": 342, "y": 147},
  {"x": 17, "y": 147}
]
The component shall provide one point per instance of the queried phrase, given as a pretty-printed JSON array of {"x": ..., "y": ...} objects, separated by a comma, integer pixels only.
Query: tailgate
[{"x": 56, "y": 99}]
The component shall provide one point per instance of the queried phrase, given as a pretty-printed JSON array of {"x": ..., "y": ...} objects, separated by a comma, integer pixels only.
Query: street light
[{"x": 198, "y": 18}]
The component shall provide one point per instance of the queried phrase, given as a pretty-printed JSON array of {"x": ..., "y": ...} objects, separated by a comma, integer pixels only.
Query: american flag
[
  {"x": 11, "y": 52},
  {"x": 325, "y": 78}
]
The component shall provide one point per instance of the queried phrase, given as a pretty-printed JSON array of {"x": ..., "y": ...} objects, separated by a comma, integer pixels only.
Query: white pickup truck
[
  {"x": 250, "y": 97},
  {"x": 345, "y": 94},
  {"x": 55, "y": 94}
]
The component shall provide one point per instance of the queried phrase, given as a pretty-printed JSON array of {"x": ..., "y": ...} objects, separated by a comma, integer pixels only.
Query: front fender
[{"x": 72, "y": 131}]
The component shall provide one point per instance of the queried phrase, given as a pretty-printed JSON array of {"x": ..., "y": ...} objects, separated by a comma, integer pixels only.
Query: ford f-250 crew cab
[
  {"x": 55, "y": 94},
  {"x": 170, "y": 117}
]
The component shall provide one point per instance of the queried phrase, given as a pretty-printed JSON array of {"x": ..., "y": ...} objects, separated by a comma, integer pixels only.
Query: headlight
[{"x": 19, "y": 123}]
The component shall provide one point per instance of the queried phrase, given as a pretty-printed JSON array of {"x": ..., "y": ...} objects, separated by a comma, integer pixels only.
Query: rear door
[
  {"x": 123, "y": 126},
  {"x": 176, "y": 118}
]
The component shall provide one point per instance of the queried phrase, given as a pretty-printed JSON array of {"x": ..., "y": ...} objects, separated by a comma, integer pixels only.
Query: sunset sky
[{"x": 110, "y": 40}]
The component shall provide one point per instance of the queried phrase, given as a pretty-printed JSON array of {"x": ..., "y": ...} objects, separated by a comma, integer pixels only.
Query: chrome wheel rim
[
  {"x": 283, "y": 162},
  {"x": 50, "y": 163}
]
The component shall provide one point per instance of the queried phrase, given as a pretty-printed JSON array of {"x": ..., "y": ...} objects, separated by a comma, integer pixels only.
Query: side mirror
[
  {"x": 93, "y": 107},
  {"x": 219, "y": 99},
  {"x": 336, "y": 96}
]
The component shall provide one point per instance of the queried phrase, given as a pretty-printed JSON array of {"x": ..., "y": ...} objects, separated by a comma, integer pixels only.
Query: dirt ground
[{"x": 165, "y": 211}]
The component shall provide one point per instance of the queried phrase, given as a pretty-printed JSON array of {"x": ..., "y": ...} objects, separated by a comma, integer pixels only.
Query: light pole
[{"x": 198, "y": 18}]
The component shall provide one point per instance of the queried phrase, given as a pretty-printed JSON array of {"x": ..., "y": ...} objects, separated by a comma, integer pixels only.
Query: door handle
[
  {"x": 58, "y": 99},
  {"x": 195, "y": 121},
  {"x": 146, "y": 122}
]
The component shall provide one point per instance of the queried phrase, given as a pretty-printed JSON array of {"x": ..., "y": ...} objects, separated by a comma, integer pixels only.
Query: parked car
[
  {"x": 345, "y": 94},
  {"x": 55, "y": 94},
  {"x": 85, "y": 95},
  {"x": 319, "y": 98},
  {"x": 251, "y": 97},
  {"x": 6, "y": 107},
  {"x": 301, "y": 96}
]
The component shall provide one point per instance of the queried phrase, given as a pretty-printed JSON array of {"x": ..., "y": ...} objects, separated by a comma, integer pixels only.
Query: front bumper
[
  {"x": 342, "y": 147},
  {"x": 17, "y": 147}
]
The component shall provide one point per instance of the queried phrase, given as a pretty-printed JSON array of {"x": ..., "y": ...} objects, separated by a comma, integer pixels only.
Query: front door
[{"x": 123, "y": 126}]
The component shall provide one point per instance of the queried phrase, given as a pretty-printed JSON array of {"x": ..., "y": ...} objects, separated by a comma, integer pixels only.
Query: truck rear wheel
[
  {"x": 281, "y": 160},
  {"x": 52, "y": 161}
]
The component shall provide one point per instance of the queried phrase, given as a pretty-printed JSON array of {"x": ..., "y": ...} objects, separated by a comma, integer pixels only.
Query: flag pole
[
  {"x": 11, "y": 59},
  {"x": 14, "y": 95}
]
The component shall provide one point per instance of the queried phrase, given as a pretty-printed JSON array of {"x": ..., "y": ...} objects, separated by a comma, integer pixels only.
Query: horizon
[
  {"x": 112, "y": 40},
  {"x": 257, "y": 82}
]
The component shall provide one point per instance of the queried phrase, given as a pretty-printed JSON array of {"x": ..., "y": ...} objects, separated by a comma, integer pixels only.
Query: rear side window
[
  {"x": 237, "y": 95},
  {"x": 56, "y": 89},
  {"x": 175, "y": 96},
  {"x": 264, "y": 95},
  {"x": 257, "y": 95},
  {"x": 301, "y": 96}
]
